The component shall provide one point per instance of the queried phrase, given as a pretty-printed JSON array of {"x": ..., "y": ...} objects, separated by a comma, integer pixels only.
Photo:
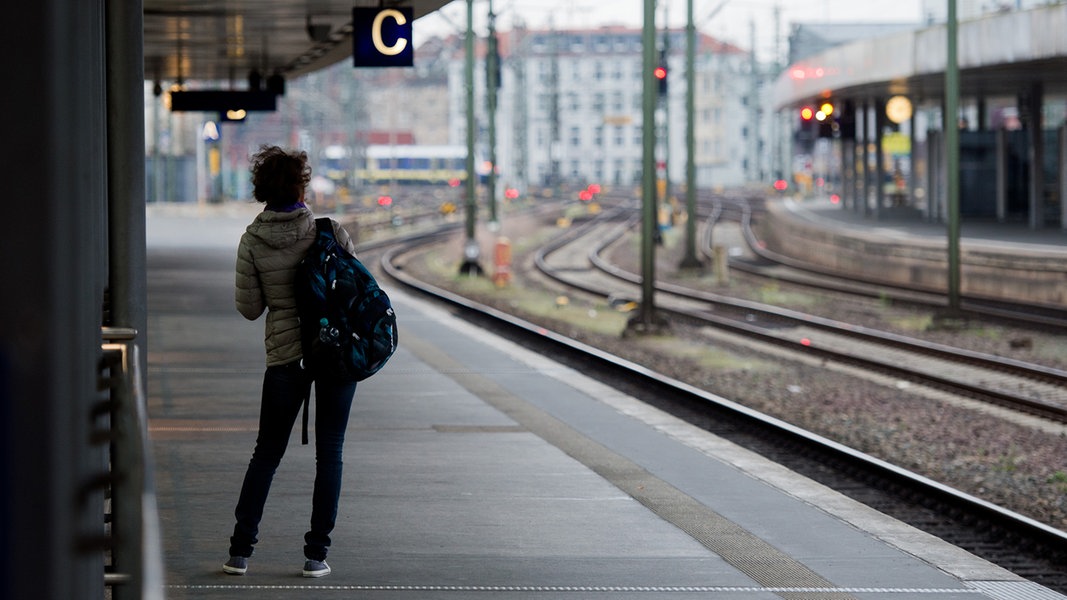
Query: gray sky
[{"x": 730, "y": 24}]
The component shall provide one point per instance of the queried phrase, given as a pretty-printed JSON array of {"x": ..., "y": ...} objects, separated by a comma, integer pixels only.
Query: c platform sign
[{"x": 381, "y": 37}]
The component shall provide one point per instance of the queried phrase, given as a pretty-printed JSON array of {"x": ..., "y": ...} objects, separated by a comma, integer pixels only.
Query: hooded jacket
[{"x": 270, "y": 249}]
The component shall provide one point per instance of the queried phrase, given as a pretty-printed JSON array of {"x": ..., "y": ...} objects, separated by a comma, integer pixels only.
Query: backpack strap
[{"x": 324, "y": 226}]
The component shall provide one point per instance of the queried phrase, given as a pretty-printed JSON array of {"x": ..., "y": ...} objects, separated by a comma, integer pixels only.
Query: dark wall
[{"x": 53, "y": 257}]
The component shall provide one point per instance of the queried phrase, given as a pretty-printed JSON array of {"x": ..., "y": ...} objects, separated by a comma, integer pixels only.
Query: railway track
[
  {"x": 1023, "y": 545},
  {"x": 771, "y": 265},
  {"x": 1026, "y": 387}
]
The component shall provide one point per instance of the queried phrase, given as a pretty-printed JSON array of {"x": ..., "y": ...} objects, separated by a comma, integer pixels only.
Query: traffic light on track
[{"x": 661, "y": 79}]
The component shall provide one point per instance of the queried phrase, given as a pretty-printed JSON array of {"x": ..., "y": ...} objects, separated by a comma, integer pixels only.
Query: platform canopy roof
[
  {"x": 225, "y": 40},
  {"x": 999, "y": 54}
]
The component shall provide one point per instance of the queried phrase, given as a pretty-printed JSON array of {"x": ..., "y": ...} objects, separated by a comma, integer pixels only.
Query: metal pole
[
  {"x": 665, "y": 101},
  {"x": 555, "y": 147},
  {"x": 648, "y": 169},
  {"x": 470, "y": 249},
  {"x": 690, "y": 261},
  {"x": 492, "y": 61},
  {"x": 879, "y": 158},
  {"x": 952, "y": 152}
]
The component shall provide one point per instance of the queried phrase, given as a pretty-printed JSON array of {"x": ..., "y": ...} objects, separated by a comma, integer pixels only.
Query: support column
[
  {"x": 1002, "y": 174},
  {"x": 471, "y": 251},
  {"x": 865, "y": 186},
  {"x": 1063, "y": 176},
  {"x": 492, "y": 66},
  {"x": 879, "y": 156},
  {"x": 126, "y": 171},
  {"x": 646, "y": 319},
  {"x": 1037, "y": 156},
  {"x": 848, "y": 170},
  {"x": 912, "y": 154},
  {"x": 935, "y": 176},
  {"x": 128, "y": 264},
  {"x": 952, "y": 158},
  {"x": 690, "y": 260},
  {"x": 858, "y": 173}
]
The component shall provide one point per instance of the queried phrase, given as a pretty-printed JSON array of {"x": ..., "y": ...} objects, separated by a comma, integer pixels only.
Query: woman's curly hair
[{"x": 279, "y": 176}]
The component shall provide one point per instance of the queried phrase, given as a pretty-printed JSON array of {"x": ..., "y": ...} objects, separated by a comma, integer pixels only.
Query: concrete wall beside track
[{"x": 915, "y": 254}]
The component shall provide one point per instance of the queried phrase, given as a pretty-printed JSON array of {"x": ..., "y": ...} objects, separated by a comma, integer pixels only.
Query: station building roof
[{"x": 999, "y": 54}]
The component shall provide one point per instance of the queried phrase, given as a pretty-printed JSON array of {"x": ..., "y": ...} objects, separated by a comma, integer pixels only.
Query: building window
[{"x": 598, "y": 102}]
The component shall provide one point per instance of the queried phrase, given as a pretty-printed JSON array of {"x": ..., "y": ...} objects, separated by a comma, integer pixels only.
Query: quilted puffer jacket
[{"x": 271, "y": 247}]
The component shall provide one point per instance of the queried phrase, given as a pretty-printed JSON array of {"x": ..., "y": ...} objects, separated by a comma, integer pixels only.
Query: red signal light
[
  {"x": 781, "y": 185},
  {"x": 594, "y": 188},
  {"x": 385, "y": 200},
  {"x": 585, "y": 195},
  {"x": 660, "y": 72}
]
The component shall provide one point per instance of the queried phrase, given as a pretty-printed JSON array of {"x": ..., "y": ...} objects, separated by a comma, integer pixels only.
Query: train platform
[
  {"x": 902, "y": 223},
  {"x": 1007, "y": 262},
  {"x": 475, "y": 468}
]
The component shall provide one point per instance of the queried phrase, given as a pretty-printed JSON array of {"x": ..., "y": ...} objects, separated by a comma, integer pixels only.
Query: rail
[
  {"x": 136, "y": 569},
  {"x": 997, "y": 529}
]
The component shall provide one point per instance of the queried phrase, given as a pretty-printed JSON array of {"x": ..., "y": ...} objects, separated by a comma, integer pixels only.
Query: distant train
[{"x": 414, "y": 164}]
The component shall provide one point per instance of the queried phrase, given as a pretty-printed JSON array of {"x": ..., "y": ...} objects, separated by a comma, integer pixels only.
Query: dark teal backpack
[{"x": 347, "y": 324}]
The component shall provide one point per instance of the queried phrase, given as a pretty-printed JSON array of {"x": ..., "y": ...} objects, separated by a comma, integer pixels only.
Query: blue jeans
[{"x": 284, "y": 390}]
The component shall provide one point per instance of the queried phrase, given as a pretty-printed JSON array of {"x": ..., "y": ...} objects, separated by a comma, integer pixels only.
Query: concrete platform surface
[{"x": 477, "y": 469}]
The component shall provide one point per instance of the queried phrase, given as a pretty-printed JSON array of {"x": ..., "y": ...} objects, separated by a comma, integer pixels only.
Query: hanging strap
[
  {"x": 304, "y": 429},
  {"x": 307, "y": 404}
]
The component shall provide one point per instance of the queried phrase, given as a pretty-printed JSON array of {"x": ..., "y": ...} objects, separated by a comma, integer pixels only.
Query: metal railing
[{"x": 136, "y": 554}]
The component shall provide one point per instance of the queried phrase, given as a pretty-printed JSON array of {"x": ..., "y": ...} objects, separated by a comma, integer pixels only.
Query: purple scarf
[{"x": 287, "y": 209}]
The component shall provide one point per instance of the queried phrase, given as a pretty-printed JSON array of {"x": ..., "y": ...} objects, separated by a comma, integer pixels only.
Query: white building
[{"x": 571, "y": 100}]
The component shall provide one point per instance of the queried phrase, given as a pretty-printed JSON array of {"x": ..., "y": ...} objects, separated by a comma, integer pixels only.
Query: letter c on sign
[{"x": 376, "y": 32}]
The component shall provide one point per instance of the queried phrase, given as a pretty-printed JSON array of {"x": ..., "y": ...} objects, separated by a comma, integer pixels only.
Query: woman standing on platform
[{"x": 269, "y": 251}]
